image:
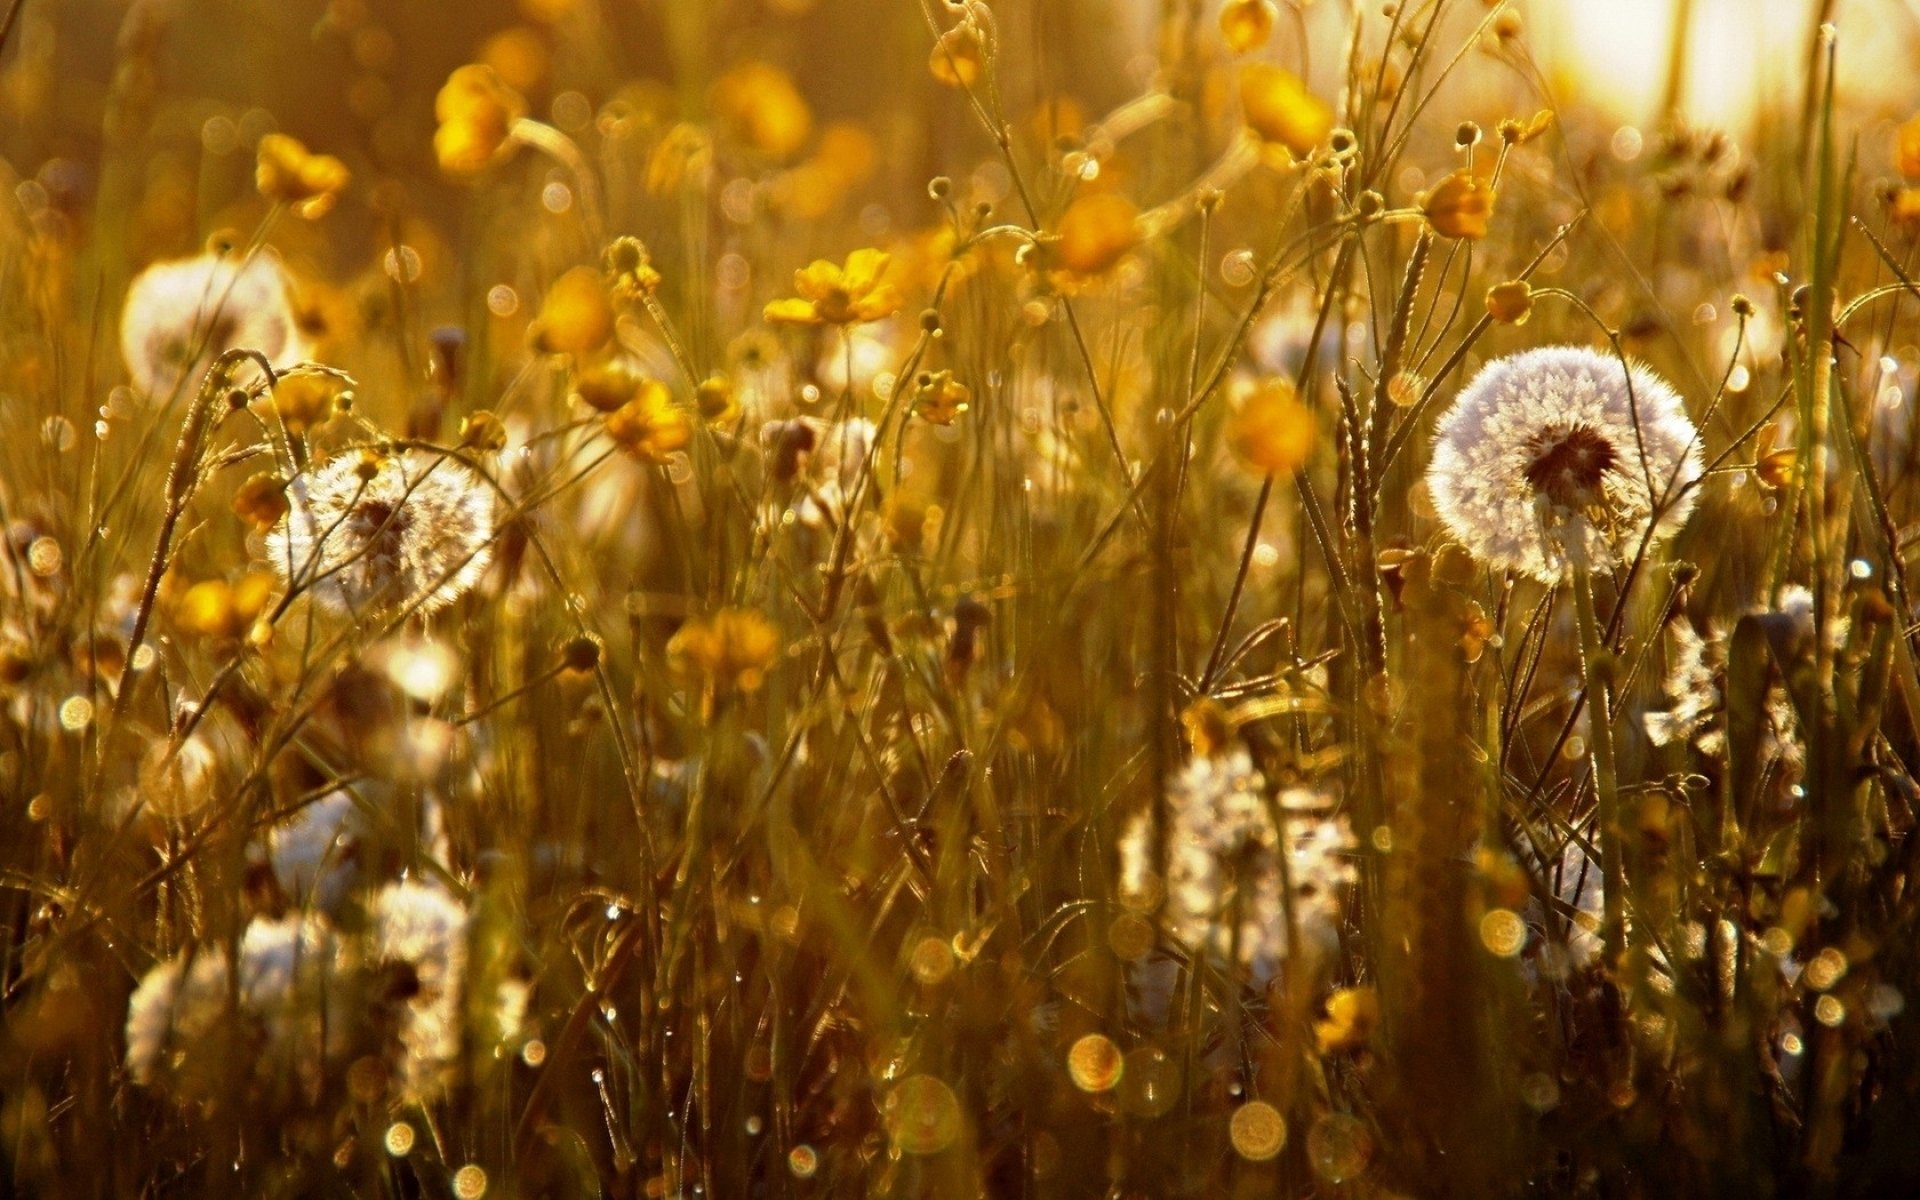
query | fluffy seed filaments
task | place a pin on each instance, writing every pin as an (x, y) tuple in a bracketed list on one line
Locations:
[(1561, 450), (180, 316), (412, 529)]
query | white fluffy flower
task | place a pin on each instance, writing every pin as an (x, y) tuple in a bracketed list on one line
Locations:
[(1692, 689), (313, 853), (1548, 445), (422, 928), (1224, 865), (180, 315), (284, 967), (418, 530)]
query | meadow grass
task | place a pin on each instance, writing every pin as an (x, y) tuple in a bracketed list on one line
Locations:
[(948, 598)]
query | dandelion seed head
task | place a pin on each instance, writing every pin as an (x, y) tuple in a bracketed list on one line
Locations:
[(184, 1000), (1562, 441), (423, 928), (1223, 853), (417, 532), (209, 304)]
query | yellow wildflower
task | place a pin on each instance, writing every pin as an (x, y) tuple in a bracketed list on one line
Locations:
[(730, 650), (1096, 232), (609, 383), (758, 103), (840, 295), (306, 400), (1247, 24), (1352, 1014), (1281, 110), (940, 398), (630, 270), (575, 317), (286, 172), (650, 426), (214, 608), (261, 501), (1511, 302), (959, 58), (1273, 431), (476, 111), (715, 400), (1906, 149), (1459, 206)]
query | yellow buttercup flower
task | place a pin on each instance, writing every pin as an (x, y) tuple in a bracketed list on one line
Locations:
[(1459, 206), (1906, 148), (941, 398), (1273, 431), (731, 649), (306, 400), (715, 400), (261, 501), (575, 316), (1096, 232), (1281, 110), (630, 269), (759, 105), (840, 295), (476, 111), (214, 608), (608, 384), (286, 172), (650, 426), (1511, 302), (1247, 24), (959, 58)]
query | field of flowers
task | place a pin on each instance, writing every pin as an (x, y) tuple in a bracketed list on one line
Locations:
[(1001, 598)]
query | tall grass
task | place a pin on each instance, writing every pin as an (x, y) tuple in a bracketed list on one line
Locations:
[(846, 600)]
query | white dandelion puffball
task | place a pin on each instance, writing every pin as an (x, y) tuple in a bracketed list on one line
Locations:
[(1224, 851), (423, 928), (1543, 445), (284, 968), (408, 529), (181, 315)]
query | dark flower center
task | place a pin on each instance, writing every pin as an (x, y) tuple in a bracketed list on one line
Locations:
[(1570, 468), (381, 523)]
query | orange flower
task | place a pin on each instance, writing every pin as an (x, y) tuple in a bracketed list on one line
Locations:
[(1096, 232), (650, 426), (1459, 206), (261, 501), (1352, 1014), (306, 400), (214, 608), (1511, 302), (609, 384), (1247, 24), (476, 111), (840, 295), (1273, 432), (731, 649), (286, 172), (630, 269), (1281, 110), (959, 58), (759, 105), (575, 317), (1906, 149), (941, 398), (715, 400)]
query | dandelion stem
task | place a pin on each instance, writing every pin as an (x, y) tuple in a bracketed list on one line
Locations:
[(1593, 659)]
